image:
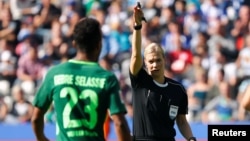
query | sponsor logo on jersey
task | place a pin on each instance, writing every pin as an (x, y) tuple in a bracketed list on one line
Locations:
[(173, 111)]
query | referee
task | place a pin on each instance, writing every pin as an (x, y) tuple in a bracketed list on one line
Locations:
[(158, 101)]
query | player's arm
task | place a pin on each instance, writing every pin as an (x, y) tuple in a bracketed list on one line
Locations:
[(37, 122), (246, 99), (184, 127), (136, 57), (121, 127)]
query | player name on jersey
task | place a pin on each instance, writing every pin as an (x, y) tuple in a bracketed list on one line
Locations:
[(79, 80), (81, 133)]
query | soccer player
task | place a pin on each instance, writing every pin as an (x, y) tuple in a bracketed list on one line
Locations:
[(82, 92), (157, 100)]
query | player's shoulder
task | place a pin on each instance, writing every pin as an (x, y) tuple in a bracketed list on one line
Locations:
[(55, 67), (60, 65), (110, 74)]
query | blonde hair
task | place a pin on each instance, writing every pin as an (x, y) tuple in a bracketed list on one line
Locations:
[(153, 47)]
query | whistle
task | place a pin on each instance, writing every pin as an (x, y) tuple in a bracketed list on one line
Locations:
[(139, 5)]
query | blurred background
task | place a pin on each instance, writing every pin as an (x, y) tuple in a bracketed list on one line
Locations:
[(206, 43)]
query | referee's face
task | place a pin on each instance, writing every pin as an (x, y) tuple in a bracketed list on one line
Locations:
[(154, 62)]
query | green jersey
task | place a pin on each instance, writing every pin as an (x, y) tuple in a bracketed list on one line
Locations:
[(81, 93)]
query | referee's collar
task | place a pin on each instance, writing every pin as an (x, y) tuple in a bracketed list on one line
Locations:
[(161, 85)]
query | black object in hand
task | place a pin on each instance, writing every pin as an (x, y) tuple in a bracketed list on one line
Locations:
[(139, 5)]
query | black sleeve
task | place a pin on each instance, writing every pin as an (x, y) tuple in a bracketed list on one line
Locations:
[(141, 77), (184, 101)]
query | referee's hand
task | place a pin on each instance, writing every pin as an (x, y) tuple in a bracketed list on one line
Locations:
[(138, 15)]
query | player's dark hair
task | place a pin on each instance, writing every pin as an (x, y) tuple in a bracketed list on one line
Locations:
[(87, 34)]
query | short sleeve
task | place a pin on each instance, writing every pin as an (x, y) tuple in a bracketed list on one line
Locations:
[(184, 102), (116, 105), (43, 97)]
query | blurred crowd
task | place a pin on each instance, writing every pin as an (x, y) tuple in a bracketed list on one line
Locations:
[(206, 43)]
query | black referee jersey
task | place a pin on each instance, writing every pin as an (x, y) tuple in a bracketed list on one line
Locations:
[(155, 107)]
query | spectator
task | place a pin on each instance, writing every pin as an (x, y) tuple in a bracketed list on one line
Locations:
[(30, 69), (180, 13), (68, 9), (23, 8), (241, 26), (221, 108), (68, 27), (8, 28), (46, 14), (7, 71), (7, 67), (180, 58), (242, 62), (21, 110), (43, 20), (210, 10), (197, 95), (219, 61), (173, 34), (218, 39), (3, 109)]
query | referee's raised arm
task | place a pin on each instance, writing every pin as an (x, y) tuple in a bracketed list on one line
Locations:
[(136, 57)]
